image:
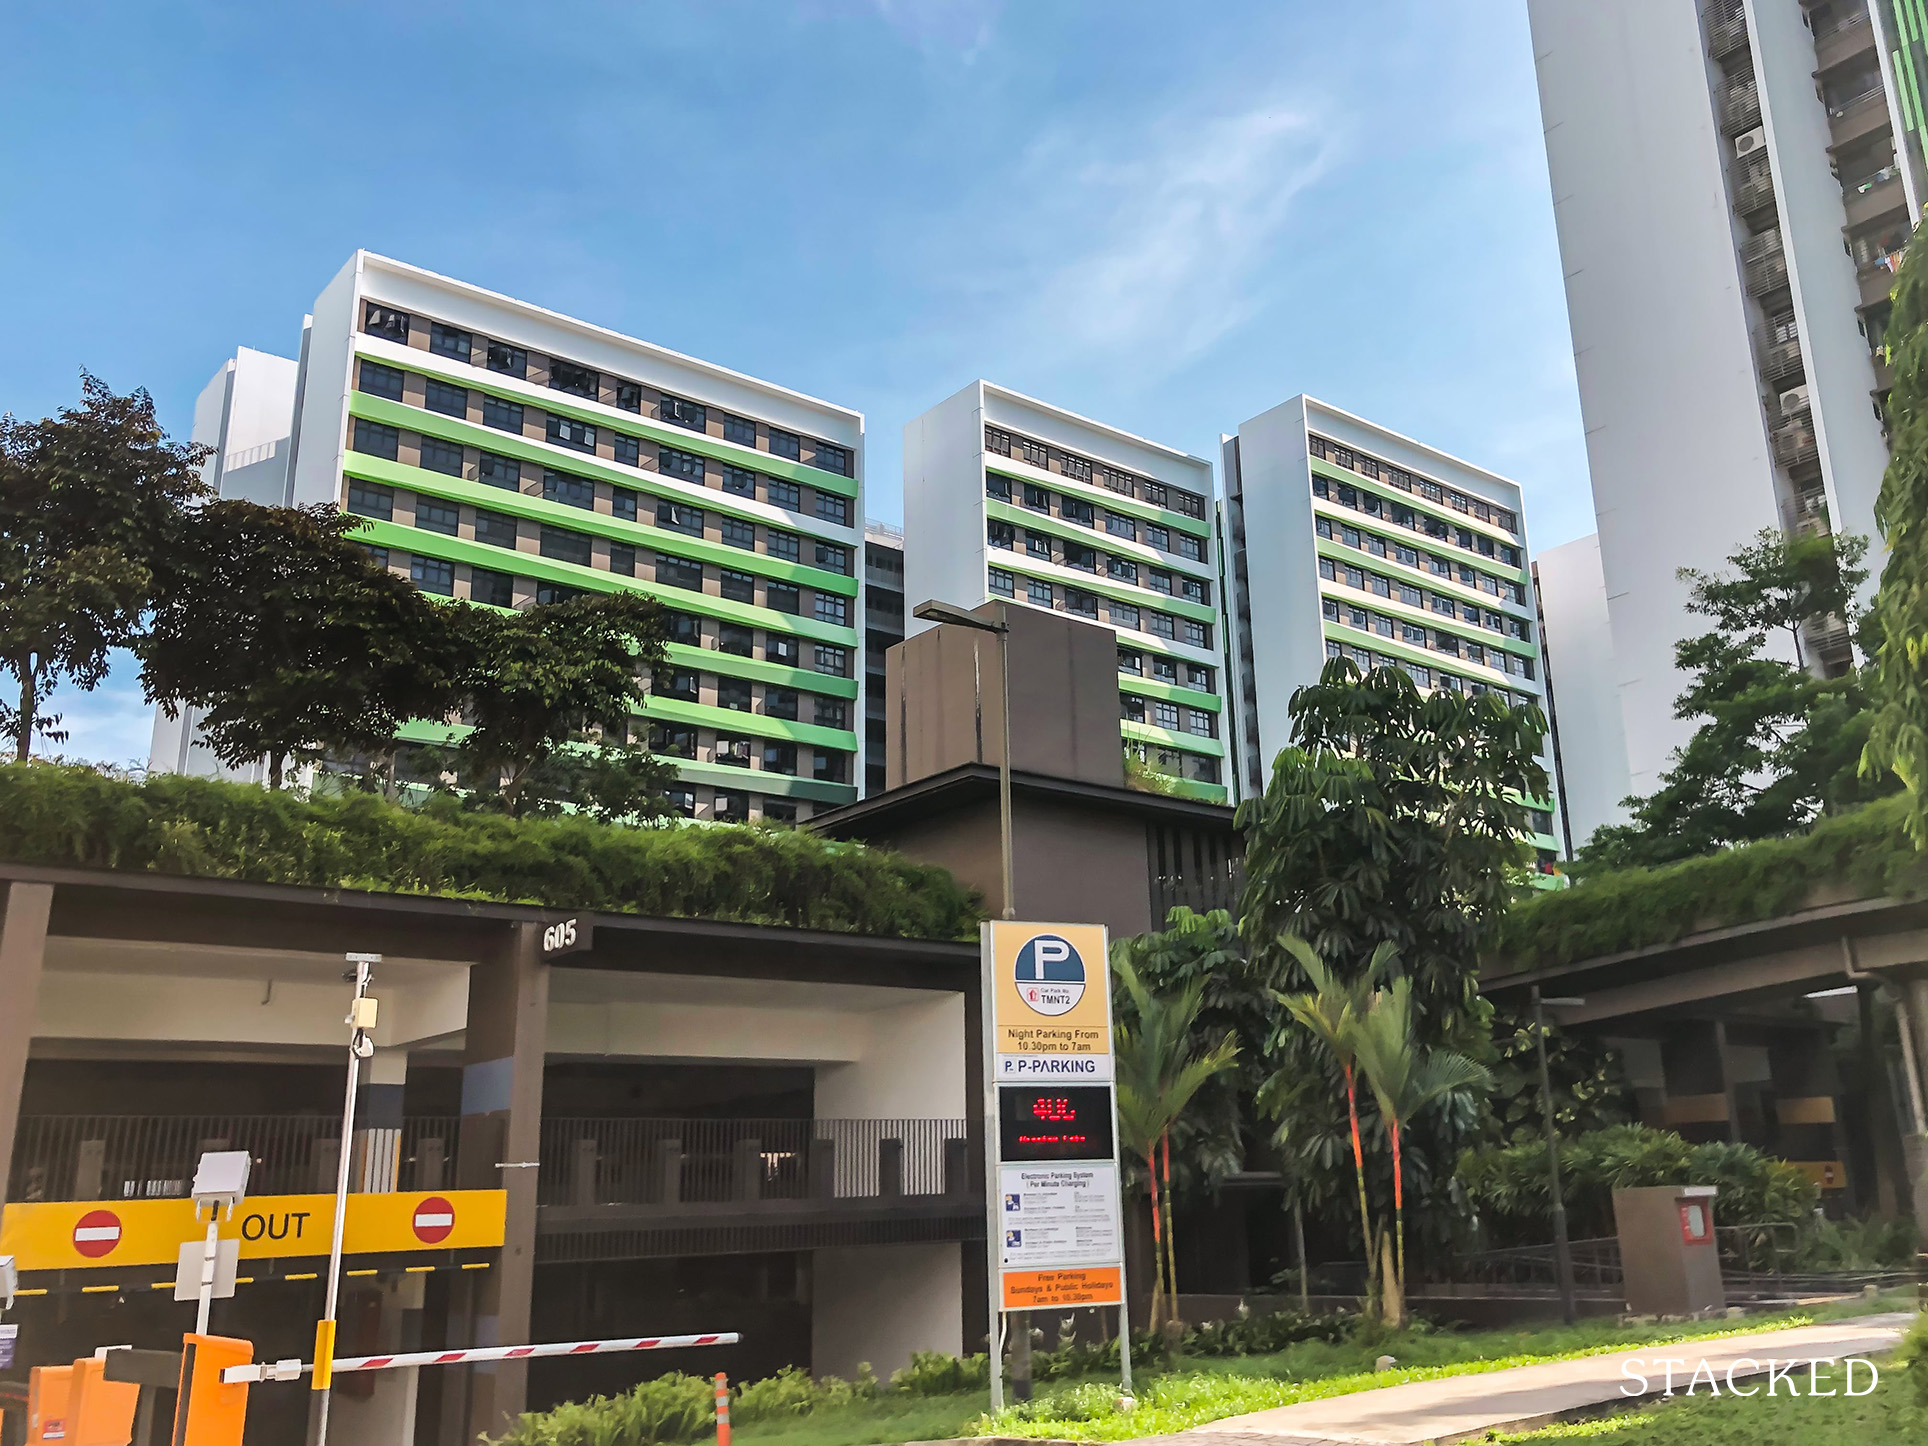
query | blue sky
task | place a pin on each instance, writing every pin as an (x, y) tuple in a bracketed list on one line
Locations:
[(1166, 217)]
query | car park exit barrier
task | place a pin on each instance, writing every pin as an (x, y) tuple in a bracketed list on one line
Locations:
[(293, 1369)]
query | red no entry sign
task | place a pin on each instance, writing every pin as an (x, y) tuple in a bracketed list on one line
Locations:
[(434, 1219), (96, 1233)]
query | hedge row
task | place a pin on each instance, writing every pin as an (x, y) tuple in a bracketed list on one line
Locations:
[(56, 814), (1863, 855)]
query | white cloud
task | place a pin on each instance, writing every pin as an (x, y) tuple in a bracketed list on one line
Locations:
[(961, 27)]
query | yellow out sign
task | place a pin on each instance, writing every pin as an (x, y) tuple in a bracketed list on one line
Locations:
[(83, 1234)]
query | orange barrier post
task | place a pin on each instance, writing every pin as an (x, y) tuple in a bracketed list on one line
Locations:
[(49, 1390), (722, 1409), (210, 1411), (100, 1412)]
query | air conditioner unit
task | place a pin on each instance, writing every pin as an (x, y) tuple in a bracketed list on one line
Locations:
[(1794, 399), (1748, 142)]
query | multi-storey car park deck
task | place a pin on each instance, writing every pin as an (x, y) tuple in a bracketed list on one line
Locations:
[(1086, 520), (508, 455)]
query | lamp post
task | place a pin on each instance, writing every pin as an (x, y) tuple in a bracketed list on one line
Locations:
[(362, 1012), (939, 612), (1562, 1249)]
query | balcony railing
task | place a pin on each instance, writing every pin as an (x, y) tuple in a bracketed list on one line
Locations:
[(1780, 354), (1765, 261), (1754, 190), (1795, 446), (673, 1163), (151, 1157), (1740, 108), (1725, 36)]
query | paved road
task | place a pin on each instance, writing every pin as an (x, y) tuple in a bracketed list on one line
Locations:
[(1457, 1407)]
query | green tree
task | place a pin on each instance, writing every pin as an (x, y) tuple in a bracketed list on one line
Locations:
[(1406, 1078), (293, 639), (89, 499), (1898, 739), (1777, 746), (1590, 1089), (537, 689), (1161, 1068)]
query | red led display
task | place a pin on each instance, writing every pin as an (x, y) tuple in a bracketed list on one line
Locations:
[(1054, 1122)]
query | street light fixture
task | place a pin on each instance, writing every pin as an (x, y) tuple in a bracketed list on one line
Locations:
[(1562, 1249), (941, 612)]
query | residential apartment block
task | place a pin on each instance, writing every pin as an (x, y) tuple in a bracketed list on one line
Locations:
[(507, 455), (1732, 182), (884, 614), (1349, 540), (1009, 497)]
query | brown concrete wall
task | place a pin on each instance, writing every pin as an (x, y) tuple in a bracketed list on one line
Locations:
[(943, 700)]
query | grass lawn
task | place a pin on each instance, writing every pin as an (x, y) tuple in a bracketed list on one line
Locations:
[(1888, 1414), (863, 1423), (1193, 1392)]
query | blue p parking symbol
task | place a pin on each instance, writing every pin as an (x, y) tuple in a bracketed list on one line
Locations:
[(1049, 974)]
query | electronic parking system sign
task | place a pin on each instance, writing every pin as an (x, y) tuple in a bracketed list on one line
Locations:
[(1055, 1231)]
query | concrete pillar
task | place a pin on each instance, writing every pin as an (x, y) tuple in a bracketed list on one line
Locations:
[(378, 1122), (382, 1409), (23, 950), (1891, 1194), (508, 1026), (878, 1303)]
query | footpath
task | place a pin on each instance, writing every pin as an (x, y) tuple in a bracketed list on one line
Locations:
[(1455, 1408)]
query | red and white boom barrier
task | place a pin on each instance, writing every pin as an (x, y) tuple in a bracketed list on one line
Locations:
[(293, 1368)]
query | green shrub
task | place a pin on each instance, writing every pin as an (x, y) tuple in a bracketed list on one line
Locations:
[(790, 1392), (1863, 854), (57, 814), (1248, 1334), (1508, 1184), (934, 1373), (669, 1409)]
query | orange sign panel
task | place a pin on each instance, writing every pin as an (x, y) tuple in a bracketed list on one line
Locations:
[(79, 1234), (1073, 1285)]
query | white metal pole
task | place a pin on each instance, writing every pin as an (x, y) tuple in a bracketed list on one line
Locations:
[(325, 1333), (993, 1200), (209, 1251), (1004, 761)]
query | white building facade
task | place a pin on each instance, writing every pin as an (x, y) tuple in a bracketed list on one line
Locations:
[(1732, 184), (1009, 497), (1346, 539)]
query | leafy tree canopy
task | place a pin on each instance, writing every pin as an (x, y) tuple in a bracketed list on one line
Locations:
[(1778, 746), (89, 500)]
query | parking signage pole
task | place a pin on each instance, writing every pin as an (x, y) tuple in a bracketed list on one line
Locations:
[(361, 1018)]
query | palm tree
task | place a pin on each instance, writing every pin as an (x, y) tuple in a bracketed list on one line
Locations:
[(1332, 1012), (1160, 1068), (1405, 1077)]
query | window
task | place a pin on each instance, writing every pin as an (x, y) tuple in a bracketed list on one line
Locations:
[(1200, 723), (566, 545), (828, 659), (622, 503), (1154, 493), (1084, 604), (740, 430), (1130, 660), (685, 628), (735, 753), (679, 412), (1411, 596), (1412, 633), (377, 555), (1380, 585), (1076, 467), (833, 609), (733, 693), (780, 703), (511, 361), (385, 321), (832, 713), (1158, 537), (779, 493), (997, 488), (1382, 625), (1076, 509), (503, 416), (440, 456), (495, 528), (1122, 568), (832, 508), (1327, 570), (1132, 707), (828, 767), (1000, 534), (1161, 581), (997, 441), (1406, 555), (679, 517), (434, 516), (737, 533), (1034, 452), (570, 491), (780, 758), (578, 380), (629, 396), (673, 463), (432, 574), (377, 440), (738, 586), (1194, 548), (380, 381), (1036, 498), (1446, 643), (1120, 526), (829, 457), (1165, 670), (1195, 589), (622, 559), (674, 740), (786, 444), (1002, 582), (785, 598), (682, 799), (567, 432), (679, 572), (730, 806), (1124, 615), (1164, 715), (1199, 635), (368, 499), (1036, 544), (1077, 555), (833, 557), (1037, 592), (1329, 609), (1197, 677), (1189, 503), (785, 545), (628, 450), (1161, 625), (450, 341), (496, 589), (739, 482)]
